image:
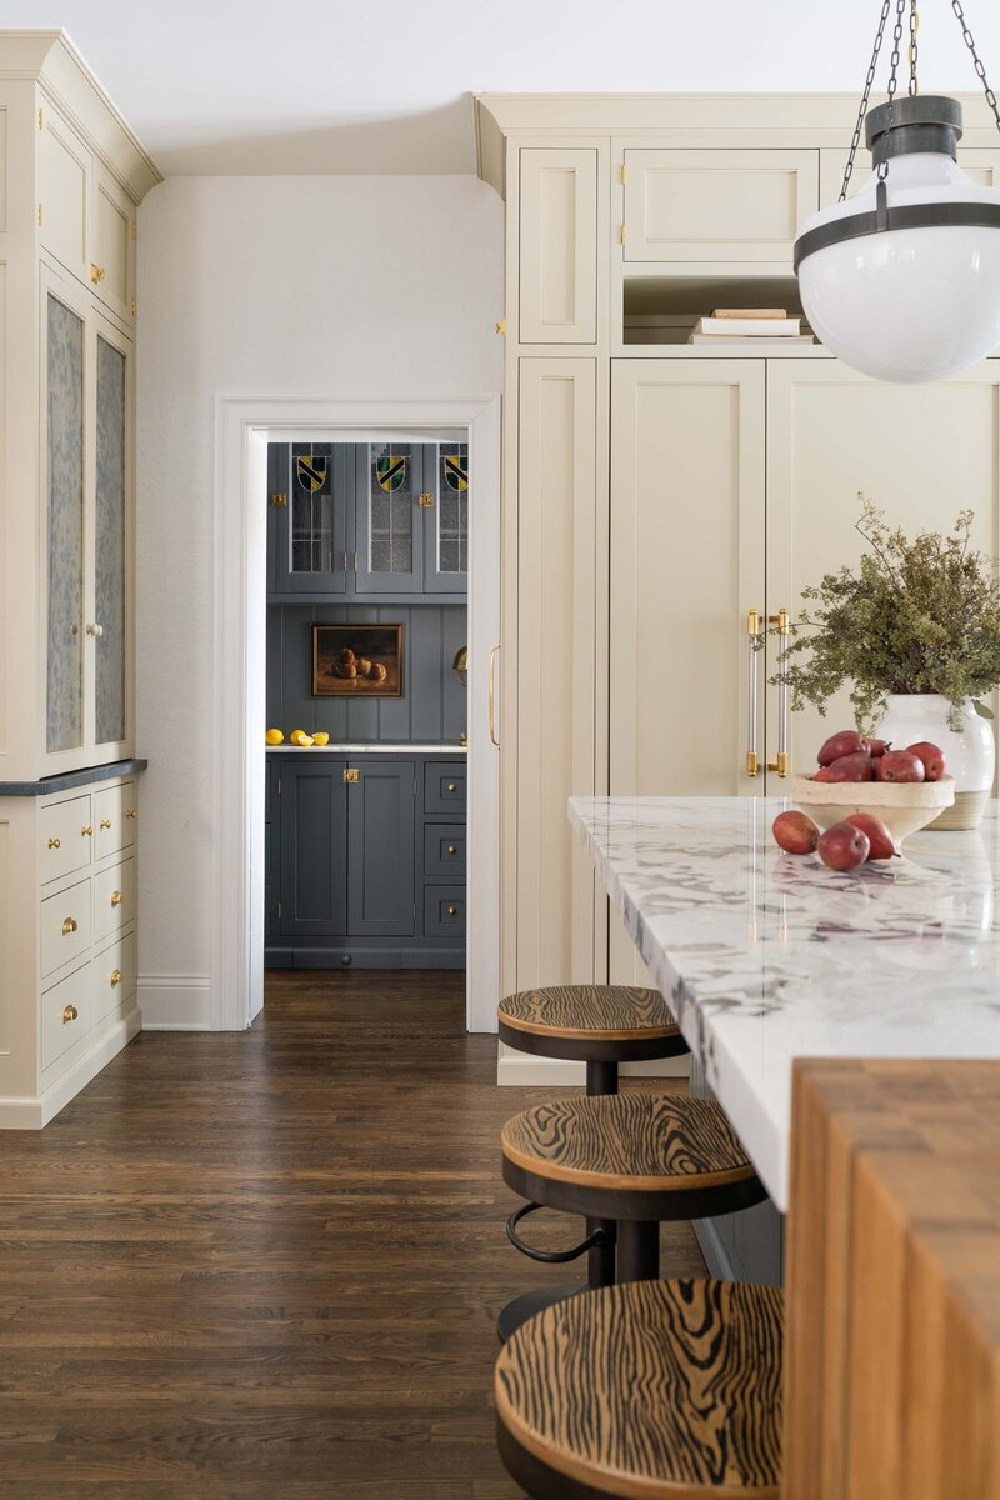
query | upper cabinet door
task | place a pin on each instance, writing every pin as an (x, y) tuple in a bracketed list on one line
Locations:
[(388, 547), (111, 273), (720, 206), (316, 481), (446, 523), (112, 531), (66, 187), (558, 246), (982, 165)]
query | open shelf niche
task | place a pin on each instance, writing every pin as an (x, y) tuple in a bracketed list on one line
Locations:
[(663, 310)]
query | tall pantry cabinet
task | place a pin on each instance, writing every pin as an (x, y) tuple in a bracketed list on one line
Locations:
[(656, 494), (71, 177)]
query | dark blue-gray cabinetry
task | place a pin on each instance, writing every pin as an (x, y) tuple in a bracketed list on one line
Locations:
[(364, 861), (310, 492)]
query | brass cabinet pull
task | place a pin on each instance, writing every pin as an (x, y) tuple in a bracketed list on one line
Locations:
[(453, 911), (105, 823), (69, 1014), (87, 831), (97, 274), (116, 977), (453, 786), (493, 736), (54, 843), (452, 849), (68, 926), (116, 898), (131, 813), (782, 622), (95, 629), (753, 637)]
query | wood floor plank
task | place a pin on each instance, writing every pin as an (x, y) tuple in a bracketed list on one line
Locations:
[(269, 1264)]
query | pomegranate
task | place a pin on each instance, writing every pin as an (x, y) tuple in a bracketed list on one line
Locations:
[(843, 847), (875, 748), (795, 833), (932, 756), (844, 742), (880, 840), (899, 765), (857, 767)]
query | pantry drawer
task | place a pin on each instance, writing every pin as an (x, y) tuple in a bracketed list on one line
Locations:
[(444, 849), (444, 787), (114, 899), (65, 926), (66, 837), (444, 911), (65, 1011), (114, 975), (114, 819)]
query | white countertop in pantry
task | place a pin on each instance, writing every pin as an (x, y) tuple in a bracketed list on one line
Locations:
[(382, 749), (765, 957)]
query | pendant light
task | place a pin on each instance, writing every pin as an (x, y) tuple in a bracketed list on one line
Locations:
[(902, 281)]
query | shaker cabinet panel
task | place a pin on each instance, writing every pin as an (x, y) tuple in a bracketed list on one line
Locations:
[(313, 849), (65, 184), (111, 272), (981, 164), (112, 540), (717, 205), (381, 868), (446, 522), (558, 246)]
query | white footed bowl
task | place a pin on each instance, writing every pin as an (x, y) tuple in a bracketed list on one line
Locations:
[(903, 806)]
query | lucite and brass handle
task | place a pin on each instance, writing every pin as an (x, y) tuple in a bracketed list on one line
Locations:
[(753, 635), (783, 623), (68, 926), (492, 694), (69, 1014), (116, 898), (116, 977)]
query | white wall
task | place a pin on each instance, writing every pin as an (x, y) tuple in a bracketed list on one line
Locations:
[(332, 287)]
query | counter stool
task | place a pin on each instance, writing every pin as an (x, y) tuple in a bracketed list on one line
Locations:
[(666, 1389), (602, 1026), (639, 1159)]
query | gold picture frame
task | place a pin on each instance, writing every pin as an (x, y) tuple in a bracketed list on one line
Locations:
[(357, 661)]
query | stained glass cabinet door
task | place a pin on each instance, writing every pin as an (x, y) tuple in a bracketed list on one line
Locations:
[(446, 524), (389, 481), (310, 527)]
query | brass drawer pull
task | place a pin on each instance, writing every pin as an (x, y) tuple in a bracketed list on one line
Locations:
[(453, 911), (68, 926), (69, 1014), (116, 898), (54, 843), (95, 630), (97, 274), (104, 823), (116, 977), (130, 813), (452, 786), (86, 831), (452, 849)]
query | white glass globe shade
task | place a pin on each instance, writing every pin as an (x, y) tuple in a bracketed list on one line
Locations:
[(907, 304)]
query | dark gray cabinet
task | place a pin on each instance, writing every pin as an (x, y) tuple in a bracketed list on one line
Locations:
[(314, 849), (310, 491), (388, 517), (380, 849)]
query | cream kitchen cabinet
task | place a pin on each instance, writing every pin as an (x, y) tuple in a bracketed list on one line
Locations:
[(981, 163), (558, 246)]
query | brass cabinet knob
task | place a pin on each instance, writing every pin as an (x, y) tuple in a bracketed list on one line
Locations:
[(69, 1014), (130, 813), (95, 629), (453, 786), (54, 843), (87, 831), (452, 849), (116, 898), (500, 327), (116, 977), (68, 926), (453, 911), (104, 823), (97, 274)]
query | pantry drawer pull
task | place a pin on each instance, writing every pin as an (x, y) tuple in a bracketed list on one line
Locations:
[(69, 925), (87, 831), (105, 823), (116, 977), (130, 813), (116, 898), (452, 849), (54, 843), (453, 786), (453, 911), (69, 1014)]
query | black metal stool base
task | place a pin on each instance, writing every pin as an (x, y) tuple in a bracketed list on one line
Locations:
[(521, 1308)]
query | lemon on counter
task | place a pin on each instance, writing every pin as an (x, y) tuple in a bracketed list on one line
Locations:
[(321, 737), (299, 737), (274, 737)]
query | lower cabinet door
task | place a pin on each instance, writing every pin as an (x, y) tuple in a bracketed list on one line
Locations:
[(380, 847), (314, 848)]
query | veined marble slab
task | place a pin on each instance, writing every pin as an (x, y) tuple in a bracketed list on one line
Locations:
[(765, 957)]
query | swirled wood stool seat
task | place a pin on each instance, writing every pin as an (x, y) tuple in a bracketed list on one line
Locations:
[(659, 1390), (638, 1159)]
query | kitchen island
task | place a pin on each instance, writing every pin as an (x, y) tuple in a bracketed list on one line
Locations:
[(765, 957)]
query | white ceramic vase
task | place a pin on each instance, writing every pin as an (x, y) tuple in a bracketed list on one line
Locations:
[(969, 753)]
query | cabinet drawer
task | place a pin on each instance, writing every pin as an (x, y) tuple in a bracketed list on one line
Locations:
[(114, 899), (65, 1012), (444, 911), (444, 786), (717, 205), (66, 174), (66, 838), (114, 819), (114, 216), (444, 849), (65, 926), (114, 975)]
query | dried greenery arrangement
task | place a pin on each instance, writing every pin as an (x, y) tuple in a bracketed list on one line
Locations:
[(917, 616)]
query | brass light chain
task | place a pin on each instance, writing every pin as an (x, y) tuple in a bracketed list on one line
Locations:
[(869, 80), (914, 28), (991, 98)]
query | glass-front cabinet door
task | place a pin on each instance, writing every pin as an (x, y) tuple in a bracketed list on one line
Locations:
[(308, 493), (446, 525), (389, 480), (112, 539)]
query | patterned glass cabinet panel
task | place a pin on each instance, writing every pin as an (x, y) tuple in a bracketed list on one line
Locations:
[(310, 527), (446, 526), (387, 549), (111, 541), (64, 334)]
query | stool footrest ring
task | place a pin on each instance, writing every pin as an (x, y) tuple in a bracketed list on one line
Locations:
[(550, 1257)]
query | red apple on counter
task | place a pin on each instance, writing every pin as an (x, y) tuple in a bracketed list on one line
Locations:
[(880, 840), (875, 748), (844, 742), (932, 756), (843, 847), (856, 767), (795, 833), (899, 765)]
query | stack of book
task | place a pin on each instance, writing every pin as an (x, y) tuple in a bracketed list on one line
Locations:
[(749, 327)]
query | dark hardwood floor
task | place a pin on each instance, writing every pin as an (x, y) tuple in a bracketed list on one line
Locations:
[(268, 1264)]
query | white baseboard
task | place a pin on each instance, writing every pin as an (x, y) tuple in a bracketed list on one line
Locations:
[(32, 1114), (526, 1070), (176, 1002)]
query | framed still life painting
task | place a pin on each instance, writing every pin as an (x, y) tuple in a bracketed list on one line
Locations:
[(357, 661)]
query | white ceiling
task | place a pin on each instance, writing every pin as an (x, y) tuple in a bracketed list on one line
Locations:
[(364, 86)]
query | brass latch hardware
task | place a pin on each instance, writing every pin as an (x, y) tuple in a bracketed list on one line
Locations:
[(116, 898), (68, 926), (97, 273), (104, 823), (131, 813), (501, 327), (352, 775), (279, 500), (69, 1014), (426, 500), (116, 977)]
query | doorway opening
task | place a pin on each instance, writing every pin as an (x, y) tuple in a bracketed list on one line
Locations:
[(366, 544)]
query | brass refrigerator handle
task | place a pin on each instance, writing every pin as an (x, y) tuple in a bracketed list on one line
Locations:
[(493, 735), (782, 621), (753, 631)]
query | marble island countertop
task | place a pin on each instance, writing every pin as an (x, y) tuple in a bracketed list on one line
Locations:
[(766, 957)]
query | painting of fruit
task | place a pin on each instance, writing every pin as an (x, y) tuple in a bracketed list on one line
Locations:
[(363, 661)]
